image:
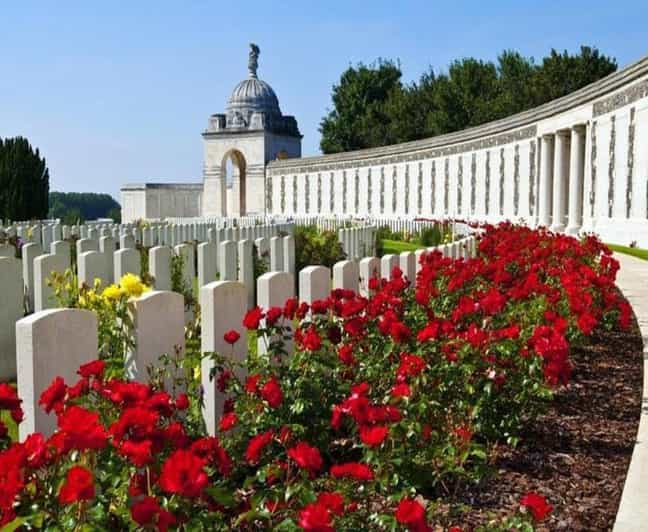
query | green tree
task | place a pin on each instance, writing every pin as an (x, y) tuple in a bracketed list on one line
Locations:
[(83, 206), (563, 73), (358, 118), (24, 181), (373, 107)]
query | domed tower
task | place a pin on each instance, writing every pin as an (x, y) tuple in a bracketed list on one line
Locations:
[(239, 144)]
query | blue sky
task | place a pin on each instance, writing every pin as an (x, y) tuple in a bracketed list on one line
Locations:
[(117, 92)]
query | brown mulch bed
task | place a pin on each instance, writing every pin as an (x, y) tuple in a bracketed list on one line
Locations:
[(576, 455)]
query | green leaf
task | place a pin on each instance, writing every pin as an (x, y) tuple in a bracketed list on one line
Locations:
[(222, 496), (17, 522)]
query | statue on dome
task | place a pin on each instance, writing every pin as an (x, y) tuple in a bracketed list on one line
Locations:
[(253, 61)]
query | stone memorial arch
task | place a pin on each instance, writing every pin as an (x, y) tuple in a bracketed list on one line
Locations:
[(251, 132)]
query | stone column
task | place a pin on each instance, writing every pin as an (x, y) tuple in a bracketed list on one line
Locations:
[(546, 180), (576, 174), (560, 180)]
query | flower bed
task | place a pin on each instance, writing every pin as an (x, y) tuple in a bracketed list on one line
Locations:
[(388, 408)]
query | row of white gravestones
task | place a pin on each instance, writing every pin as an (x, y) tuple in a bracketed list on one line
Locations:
[(153, 234), (55, 342), (234, 260), (358, 242)]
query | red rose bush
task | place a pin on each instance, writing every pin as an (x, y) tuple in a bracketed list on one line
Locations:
[(388, 404)]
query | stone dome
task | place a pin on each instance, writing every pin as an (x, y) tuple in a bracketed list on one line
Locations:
[(253, 95)]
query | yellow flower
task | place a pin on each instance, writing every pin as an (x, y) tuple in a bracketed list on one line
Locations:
[(196, 373), (112, 292), (132, 285), (97, 283), (82, 301)]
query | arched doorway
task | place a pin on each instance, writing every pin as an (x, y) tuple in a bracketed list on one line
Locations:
[(233, 171)]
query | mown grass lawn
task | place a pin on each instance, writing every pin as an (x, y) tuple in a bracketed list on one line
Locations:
[(398, 246), (635, 252)]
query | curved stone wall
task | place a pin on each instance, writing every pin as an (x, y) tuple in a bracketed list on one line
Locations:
[(578, 163)]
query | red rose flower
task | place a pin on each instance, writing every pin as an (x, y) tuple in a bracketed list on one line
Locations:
[(252, 383), (253, 318), (272, 393), (311, 341), (231, 337), (373, 436), (333, 501), (345, 354), (8, 397), (307, 457), (272, 316), (81, 429), (256, 445), (53, 396), (537, 505), (228, 421), (78, 486), (401, 390), (411, 514), (354, 470), (399, 332), (182, 401), (148, 511), (183, 473), (290, 308), (137, 452), (315, 517), (92, 369), (223, 380)]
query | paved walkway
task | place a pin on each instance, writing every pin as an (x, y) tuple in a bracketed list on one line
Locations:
[(632, 516)]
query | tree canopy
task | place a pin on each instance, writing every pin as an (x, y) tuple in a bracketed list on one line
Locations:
[(372, 106), (71, 207), (24, 181)]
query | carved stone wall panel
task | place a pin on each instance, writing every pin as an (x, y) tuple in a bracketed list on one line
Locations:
[(446, 186), (283, 194), (488, 183), (356, 193), (501, 182), (269, 194), (592, 198), (369, 190), (516, 180), (307, 194), (532, 176), (473, 182), (344, 191), (332, 192), (630, 162), (319, 193), (611, 172), (621, 99), (460, 183), (415, 156), (394, 190), (419, 190), (382, 190), (294, 192), (407, 188), (433, 186)]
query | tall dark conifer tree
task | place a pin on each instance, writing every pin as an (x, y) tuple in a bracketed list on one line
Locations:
[(24, 181)]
